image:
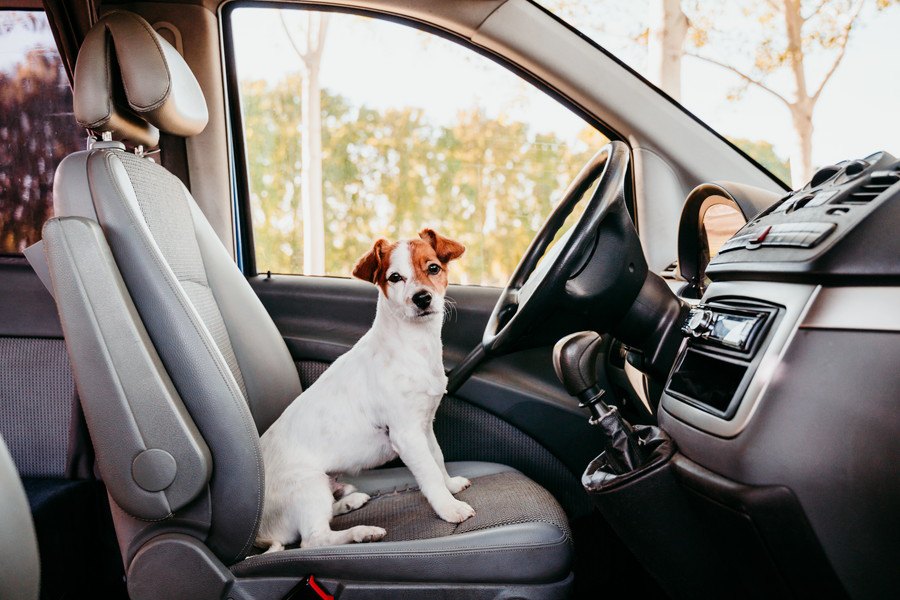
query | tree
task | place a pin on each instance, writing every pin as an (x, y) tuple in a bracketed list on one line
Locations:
[(311, 213), (789, 35), (37, 130), (665, 45), (764, 154), (486, 180)]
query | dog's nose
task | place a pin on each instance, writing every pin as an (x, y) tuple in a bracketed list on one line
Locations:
[(421, 299)]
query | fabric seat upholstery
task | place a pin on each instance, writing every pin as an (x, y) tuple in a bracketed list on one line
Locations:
[(517, 524), (179, 369)]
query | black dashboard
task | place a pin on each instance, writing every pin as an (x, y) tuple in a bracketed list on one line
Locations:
[(839, 228)]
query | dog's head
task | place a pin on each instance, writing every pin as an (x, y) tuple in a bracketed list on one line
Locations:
[(412, 274)]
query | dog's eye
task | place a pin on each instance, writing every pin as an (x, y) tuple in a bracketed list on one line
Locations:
[(395, 277), (434, 269)]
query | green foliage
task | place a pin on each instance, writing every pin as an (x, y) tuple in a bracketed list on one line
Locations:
[(485, 181), (763, 153)]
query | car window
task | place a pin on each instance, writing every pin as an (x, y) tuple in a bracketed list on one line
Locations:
[(37, 127), (356, 128)]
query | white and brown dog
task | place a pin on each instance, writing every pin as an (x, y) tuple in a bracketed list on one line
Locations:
[(374, 403)]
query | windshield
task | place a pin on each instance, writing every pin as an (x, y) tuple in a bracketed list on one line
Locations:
[(795, 85)]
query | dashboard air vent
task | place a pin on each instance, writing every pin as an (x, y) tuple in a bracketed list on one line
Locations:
[(874, 186)]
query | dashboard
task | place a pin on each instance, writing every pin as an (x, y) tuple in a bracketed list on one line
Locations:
[(788, 376)]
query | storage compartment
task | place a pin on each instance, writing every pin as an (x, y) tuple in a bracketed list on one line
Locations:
[(699, 534), (707, 380)]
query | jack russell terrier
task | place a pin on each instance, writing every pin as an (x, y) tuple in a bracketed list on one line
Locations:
[(374, 403)]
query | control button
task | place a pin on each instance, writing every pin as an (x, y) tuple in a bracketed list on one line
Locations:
[(813, 238), (789, 235), (698, 322)]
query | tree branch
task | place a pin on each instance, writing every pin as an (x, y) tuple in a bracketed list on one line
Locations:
[(842, 50), (775, 5), (815, 11), (742, 75), (290, 38)]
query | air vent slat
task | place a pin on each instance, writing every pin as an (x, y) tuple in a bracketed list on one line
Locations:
[(872, 189)]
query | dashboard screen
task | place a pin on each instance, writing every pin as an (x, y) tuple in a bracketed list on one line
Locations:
[(732, 330)]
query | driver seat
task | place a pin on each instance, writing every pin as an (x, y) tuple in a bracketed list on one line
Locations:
[(180, 369)]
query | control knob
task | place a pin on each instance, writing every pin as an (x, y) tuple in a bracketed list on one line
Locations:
[(698, 322)]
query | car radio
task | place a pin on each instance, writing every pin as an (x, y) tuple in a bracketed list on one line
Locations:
[(722, 352), (725, 326)]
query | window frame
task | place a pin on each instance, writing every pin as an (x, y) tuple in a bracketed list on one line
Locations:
[(245, 251)]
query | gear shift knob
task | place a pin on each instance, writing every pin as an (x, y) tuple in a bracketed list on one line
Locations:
[(575, 362)]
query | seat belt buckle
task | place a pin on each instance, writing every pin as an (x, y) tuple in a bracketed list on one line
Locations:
[(309, 589)]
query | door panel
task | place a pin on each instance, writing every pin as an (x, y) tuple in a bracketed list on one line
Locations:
[(512, 410)]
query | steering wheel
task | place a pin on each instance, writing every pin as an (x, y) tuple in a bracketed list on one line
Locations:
[(536, 284)]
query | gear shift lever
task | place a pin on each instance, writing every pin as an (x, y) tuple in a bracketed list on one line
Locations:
[(575, 362)]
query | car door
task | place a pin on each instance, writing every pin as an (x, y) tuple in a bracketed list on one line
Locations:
[(349, 127)]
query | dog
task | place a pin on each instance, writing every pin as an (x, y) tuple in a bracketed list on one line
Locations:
[(374, 403)]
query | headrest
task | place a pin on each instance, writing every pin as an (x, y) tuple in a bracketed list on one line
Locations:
[(133, 83)]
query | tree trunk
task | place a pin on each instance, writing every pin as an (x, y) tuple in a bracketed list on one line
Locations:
[(803, 105), (311, 148), (801, 157), (665, 45), (311, 174)]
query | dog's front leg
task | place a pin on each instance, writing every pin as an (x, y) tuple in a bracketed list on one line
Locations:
[(454, 484), (413, 447)]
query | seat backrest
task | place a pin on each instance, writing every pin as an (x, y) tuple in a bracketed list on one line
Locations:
[(178, 366)]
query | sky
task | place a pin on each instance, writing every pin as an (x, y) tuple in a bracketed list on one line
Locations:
[(15, 37), (853, 118), (391, 65)]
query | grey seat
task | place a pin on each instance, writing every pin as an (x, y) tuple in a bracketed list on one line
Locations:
[(19, 564), (179, 369)]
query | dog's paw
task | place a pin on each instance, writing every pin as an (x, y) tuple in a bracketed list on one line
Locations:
[(366, 533), (457, 484), (275, 547), (455, 511), (349, 502)]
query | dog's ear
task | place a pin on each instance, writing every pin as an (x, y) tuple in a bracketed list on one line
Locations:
[(369, 265), (445, 248)]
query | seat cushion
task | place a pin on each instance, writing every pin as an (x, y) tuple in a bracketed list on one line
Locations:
[(518, 535)]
